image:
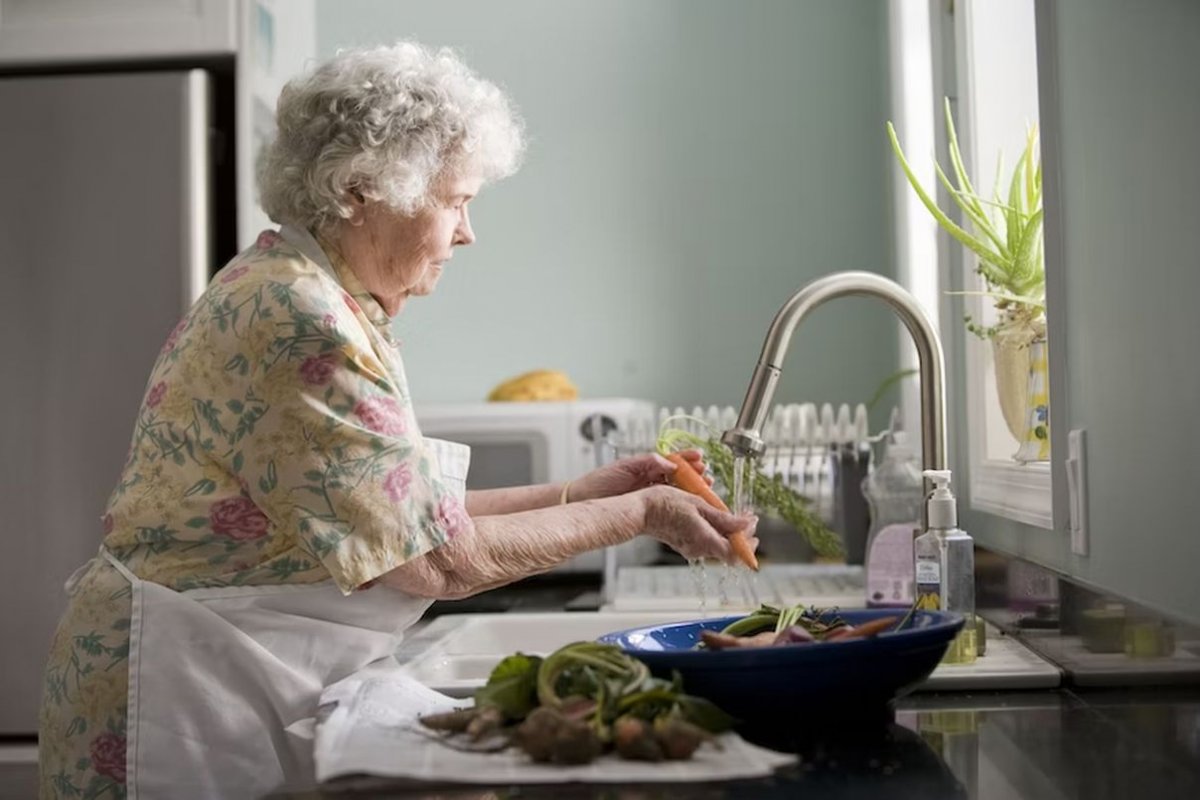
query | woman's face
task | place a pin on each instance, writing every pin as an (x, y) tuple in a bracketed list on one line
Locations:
[(397, 256)]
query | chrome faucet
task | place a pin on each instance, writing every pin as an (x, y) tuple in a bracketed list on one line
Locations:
[(745, 438)]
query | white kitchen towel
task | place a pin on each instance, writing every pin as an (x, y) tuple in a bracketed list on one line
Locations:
[(368, 726)]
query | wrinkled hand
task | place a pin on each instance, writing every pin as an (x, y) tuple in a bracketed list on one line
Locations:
[(631, 474), (692, 527)]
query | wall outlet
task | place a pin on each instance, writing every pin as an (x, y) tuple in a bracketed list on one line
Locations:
[(1077, 490)]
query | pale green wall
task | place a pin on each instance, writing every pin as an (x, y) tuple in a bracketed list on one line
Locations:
[(1128, 113), (692, 163)]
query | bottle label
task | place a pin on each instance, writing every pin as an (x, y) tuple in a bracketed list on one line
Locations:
[(928, 575), (890, 567)]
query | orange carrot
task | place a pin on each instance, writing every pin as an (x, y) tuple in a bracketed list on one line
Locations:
[(867, 629), (685, 477)]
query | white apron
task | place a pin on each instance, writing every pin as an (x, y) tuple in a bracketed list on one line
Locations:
[(224, 683)]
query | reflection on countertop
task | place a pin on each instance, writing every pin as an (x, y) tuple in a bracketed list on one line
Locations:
[(983, 746), (1098, 639)]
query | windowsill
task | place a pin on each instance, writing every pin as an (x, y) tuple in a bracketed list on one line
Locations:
[(1019, 492)]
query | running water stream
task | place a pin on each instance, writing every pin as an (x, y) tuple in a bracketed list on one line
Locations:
[(735, 579)]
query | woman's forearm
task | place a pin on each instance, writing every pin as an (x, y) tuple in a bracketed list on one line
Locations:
[(504, 548), (511, 499)]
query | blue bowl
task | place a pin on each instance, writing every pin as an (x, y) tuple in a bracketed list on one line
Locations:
[(766, 684)]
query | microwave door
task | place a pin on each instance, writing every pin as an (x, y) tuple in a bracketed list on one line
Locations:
[(501, 459)]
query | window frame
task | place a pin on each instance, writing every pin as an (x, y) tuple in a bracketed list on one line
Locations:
[(1020, 492)]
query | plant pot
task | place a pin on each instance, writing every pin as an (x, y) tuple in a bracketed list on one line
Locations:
[(1010, 358), (1035, 439), (1019, 356)]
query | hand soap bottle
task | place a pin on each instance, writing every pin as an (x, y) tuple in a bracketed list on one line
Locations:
[(944, 567), (895, 492)]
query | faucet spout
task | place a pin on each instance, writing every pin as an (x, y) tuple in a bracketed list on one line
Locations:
[(746, 437)]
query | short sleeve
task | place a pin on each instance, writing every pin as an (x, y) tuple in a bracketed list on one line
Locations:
[(331, 450)]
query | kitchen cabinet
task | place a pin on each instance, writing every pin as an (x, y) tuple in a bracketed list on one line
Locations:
[(83, 30), (127, 148), (269, 42)]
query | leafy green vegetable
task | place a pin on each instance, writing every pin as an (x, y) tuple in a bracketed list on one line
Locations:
[(512, 686), (768, 494), (565, 708), (817, 621), (705, 713), (757, 622)]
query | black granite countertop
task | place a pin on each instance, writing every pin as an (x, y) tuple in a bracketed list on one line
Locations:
[(1048, 745)]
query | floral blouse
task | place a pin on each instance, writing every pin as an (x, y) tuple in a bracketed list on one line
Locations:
[(275, 444)]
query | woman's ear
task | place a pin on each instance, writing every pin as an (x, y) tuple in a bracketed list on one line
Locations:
[(358, 206)]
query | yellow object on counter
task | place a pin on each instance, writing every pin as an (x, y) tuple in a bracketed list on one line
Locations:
[(540, 384)]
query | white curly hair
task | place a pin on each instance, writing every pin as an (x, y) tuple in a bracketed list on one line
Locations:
[(386, 123)]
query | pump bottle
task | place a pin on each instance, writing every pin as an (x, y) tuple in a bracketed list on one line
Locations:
[(944, 567), (895, 492)]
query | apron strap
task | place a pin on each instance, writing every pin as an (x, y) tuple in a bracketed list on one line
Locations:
[(120, 567)]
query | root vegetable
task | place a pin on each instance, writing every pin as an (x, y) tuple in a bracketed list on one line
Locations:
[(685, 477), (871, 628), (679, 738), (450, 721), (634, 739), (715, 640), (794, 634), (548, 736), (486, 722)]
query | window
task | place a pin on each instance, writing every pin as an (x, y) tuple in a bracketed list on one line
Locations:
[(997, 102), (990, 48)]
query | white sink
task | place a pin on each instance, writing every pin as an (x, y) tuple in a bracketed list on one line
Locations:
[(455, 653)]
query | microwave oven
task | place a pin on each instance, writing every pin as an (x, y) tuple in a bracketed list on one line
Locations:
[(523, 443)]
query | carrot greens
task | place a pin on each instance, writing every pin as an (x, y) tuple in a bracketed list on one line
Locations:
[(768, 494)]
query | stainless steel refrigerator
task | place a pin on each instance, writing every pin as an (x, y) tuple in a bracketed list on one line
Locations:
[(108, 218)]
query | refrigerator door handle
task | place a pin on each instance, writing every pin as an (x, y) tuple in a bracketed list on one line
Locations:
[(196, 224)]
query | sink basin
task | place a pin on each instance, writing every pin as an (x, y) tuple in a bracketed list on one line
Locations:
[(455, 653)]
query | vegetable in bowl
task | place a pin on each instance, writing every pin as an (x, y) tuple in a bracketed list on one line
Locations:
[(764, 685), (772, 627)]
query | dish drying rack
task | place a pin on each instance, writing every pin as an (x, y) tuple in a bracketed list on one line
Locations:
[(803, 444), (820, 452)]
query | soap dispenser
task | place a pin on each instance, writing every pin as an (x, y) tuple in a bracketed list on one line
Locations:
[(944, 567)]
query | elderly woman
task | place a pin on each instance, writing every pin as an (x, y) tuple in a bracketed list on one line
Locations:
[(280, 519)]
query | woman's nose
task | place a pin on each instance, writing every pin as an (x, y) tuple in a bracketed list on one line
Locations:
[(464, 234)]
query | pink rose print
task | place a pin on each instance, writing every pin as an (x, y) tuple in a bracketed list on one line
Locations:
[(452, 516), (329, 321), (235, 273), (318, 370), (157, 392), (267, 239), (397, 482), (238, 518), (108, 756), (351, 303), (382, 415), (173, 337), (107, 524)]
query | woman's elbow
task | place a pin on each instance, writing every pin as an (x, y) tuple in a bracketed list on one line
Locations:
[(426, 577)]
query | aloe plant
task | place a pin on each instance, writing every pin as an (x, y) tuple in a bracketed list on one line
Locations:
[(1006, 234)]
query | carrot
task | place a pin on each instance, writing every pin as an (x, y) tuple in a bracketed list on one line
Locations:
[(685, 477), (870, 628)]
